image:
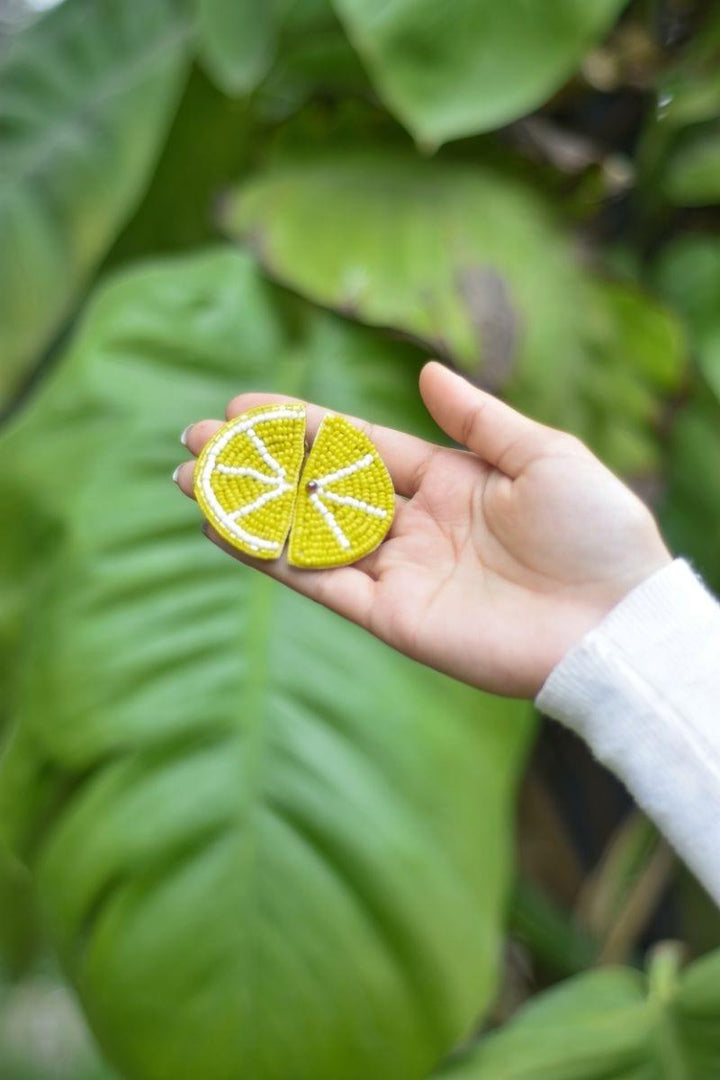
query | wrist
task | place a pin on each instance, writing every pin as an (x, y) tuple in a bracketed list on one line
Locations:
[(588, 608)]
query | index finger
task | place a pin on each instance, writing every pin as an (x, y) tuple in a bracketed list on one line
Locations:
[(406, 456)]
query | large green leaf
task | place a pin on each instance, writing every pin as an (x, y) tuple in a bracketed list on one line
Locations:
[(613, 1024), (264, 844), (86, 94), (472, 261), (466, 66)]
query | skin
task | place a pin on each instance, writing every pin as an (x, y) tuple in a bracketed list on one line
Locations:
[(500, 558)]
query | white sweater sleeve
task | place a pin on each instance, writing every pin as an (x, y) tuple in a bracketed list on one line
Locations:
[(643, 689)]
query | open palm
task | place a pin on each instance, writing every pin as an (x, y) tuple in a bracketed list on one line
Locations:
[(500, 557)]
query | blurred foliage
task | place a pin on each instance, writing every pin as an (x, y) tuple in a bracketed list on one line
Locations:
[(486, 280), (431, 73), (614, 1024), (204, 786), (258, 841), (688, 274), (681, 150), (85, 97)]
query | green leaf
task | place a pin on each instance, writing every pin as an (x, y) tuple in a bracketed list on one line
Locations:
[(689, 92), (679, 153), (286, 51), (18, 928), (466, 66), (261, 840), (471, 261), (613, 1024), (238, 40), (86, 94), (548, 931), (314, 59), (691, 174), (688, 275), (690, 511)]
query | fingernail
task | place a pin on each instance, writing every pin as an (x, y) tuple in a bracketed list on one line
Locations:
[(183, 437), (176, 473)]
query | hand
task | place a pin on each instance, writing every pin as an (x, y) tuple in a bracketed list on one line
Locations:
[(500, 559)]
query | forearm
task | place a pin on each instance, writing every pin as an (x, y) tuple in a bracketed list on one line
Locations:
[(643, 689)]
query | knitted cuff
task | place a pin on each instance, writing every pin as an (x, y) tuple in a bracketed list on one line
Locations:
[(643, 690)]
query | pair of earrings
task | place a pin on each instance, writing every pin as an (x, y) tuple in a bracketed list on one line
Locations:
[(255, 486)]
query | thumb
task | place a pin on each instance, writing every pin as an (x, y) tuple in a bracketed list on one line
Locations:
[(493, 430)]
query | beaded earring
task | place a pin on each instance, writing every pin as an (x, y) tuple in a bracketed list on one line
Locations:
[(248, 484)]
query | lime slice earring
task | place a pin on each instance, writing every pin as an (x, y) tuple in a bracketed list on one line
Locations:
[(251, 485)]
